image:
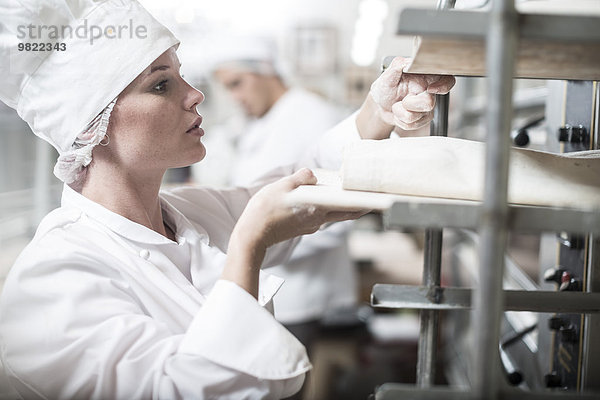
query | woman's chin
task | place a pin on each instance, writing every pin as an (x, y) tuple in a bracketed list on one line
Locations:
[(198, 155)]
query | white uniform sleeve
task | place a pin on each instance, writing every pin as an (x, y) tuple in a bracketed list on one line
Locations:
[(217, 212), (327, 153), (78, 330)]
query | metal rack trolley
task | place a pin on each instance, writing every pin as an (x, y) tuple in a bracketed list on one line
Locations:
[(502, 26)]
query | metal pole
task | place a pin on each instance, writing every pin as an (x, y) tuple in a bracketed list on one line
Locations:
[(591, 347), (487, 298), (432, 265), (445, 4), (428, 337), (427, 355)]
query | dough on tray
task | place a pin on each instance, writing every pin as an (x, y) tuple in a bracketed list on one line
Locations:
[(454, 168)]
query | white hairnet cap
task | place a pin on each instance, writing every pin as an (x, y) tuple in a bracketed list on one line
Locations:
[(92, 49), (251, 52)]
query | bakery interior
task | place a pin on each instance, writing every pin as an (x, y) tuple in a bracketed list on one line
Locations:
[(487, 296)]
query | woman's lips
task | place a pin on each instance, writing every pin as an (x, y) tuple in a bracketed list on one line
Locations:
[(196, 131)]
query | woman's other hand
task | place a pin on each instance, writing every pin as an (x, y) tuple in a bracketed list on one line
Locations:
[(400, 99)]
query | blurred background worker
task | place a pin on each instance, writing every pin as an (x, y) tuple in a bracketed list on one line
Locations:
[(280, 124)]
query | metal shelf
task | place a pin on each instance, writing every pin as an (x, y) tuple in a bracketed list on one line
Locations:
[(474, 25), (453, 42), (449, 298), (503, 45), (432, 212), (454, 214), (394, 391)]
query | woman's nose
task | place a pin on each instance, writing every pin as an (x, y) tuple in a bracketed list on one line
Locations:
[(193, 97), (198, 96), (195, 101)]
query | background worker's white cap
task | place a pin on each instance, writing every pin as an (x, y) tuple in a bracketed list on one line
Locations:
[(249, 52), (92, 49)]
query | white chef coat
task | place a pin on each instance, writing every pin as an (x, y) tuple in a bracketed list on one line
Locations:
[(320, 275), (94, 307)]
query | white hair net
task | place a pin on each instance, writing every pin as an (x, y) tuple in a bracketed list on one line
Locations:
[(71, 165)]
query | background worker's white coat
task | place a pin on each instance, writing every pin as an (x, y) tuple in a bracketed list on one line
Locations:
[(320, 275), (98, 306)]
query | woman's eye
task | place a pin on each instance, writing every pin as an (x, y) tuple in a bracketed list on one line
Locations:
[(160, 87)]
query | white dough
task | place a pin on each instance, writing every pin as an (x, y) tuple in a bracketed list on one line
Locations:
[(454, 168)]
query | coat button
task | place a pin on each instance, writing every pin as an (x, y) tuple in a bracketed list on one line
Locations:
[(145, 254)]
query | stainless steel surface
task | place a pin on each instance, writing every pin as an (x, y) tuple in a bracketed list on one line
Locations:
[(500, 27), (488, 296), (575, 366), (591, 344), (394, 391), (445, 4), (413, 214), (441, 23), (439, 124), (429, 329), (474, 24), (428, 338), (450, 298), (559, 27), (515, 394), (520, 218)]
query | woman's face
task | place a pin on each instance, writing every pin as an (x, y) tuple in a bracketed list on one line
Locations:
[(154, 125)]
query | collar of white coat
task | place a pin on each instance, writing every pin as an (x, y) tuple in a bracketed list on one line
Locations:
[(269, 284), (127, 228)]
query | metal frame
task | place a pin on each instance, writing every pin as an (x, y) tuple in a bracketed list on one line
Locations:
[(475, 24), (394, 391), (591, 355), (432, 264), (451, 298), (460, 215), (502, 26)]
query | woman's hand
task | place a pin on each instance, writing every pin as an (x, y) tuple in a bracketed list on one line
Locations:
[(399, 99), (267, 220)]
